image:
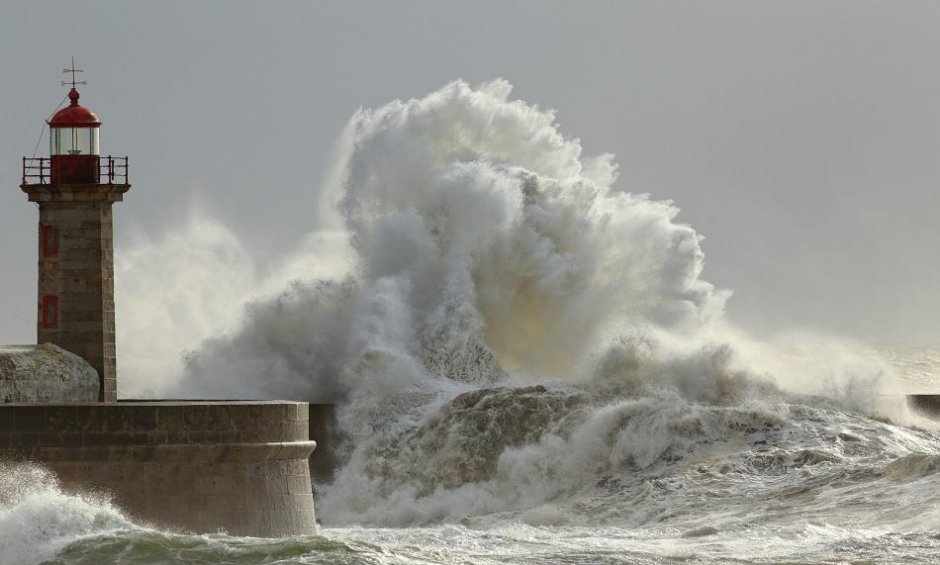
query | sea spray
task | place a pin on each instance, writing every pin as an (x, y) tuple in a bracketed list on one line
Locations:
[(189, 285), (484, 242), (515, 337), (43, 524), (37, 519)]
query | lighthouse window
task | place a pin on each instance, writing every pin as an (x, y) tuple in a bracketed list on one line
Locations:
[(49, 238), (49, 315), (74, 141), (61, 141)]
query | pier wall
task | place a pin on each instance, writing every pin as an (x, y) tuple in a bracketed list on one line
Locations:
[(202, 467)]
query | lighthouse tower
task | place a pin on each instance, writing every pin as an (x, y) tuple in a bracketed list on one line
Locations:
[(75, 188)]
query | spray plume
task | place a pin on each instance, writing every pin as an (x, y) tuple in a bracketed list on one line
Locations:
[(485, 250)]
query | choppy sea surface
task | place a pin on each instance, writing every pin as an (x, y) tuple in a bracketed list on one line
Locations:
[(797, 480)]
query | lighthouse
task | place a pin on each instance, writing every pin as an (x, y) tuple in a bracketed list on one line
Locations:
[(74, 188), (194, 465)]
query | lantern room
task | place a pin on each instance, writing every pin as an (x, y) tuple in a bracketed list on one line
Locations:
[(74, 144)]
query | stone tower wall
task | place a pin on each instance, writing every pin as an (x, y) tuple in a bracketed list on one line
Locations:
[(76, 274)]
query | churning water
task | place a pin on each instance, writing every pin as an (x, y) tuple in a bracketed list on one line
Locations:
[(530, 370)]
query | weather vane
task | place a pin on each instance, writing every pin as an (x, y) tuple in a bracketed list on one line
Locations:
[(73, 70)]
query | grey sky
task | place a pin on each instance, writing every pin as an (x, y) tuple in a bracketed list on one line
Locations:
[(800, 138)]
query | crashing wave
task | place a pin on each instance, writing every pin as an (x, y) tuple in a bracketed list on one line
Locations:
[(514, 332)]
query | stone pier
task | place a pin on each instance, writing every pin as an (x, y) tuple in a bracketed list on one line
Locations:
[(196, 466)]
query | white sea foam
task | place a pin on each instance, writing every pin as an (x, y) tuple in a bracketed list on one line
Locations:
[(37, 519), (483, 241)]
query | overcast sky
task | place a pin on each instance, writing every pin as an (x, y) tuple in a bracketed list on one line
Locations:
[(800, 138)]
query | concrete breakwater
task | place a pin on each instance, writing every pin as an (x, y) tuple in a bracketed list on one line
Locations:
[(199, 466)]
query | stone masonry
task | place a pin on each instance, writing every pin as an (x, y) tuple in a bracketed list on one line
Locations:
[(201, 467), (45, 373)]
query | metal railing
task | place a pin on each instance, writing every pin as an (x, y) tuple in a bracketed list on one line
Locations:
[(36, 170), (114, 169), (111, 170)]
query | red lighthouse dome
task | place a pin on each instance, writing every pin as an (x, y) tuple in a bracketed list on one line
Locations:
[(74, 115)]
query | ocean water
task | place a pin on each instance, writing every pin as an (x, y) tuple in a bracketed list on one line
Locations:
[(530, 369), (542, 474)]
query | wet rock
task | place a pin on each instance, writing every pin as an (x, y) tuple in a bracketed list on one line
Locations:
[(45, 373), (462, 441)]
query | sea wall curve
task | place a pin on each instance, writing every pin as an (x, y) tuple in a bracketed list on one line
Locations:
[(201, 467)]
